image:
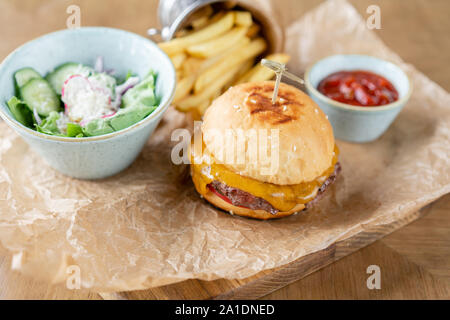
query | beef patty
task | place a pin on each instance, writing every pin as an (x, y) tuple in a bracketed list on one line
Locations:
[(247, 200)]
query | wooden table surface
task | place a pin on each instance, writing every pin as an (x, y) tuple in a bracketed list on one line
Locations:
[(414, 261)]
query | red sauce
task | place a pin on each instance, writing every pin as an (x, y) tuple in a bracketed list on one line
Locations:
[(358, 88)]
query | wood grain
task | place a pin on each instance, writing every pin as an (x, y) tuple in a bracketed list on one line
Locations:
[(414, 260), (414, 263), (15, 286)]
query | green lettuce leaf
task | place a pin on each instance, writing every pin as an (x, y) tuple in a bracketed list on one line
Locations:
[(74, 130), (129, 116), (141, 94), (21, 112), (97, 127), (48, 125)]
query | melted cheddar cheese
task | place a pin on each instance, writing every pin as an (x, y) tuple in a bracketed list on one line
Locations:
[(281, 197)]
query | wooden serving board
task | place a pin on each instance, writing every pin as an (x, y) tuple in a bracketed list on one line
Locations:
[(267, 281), (419, 252)]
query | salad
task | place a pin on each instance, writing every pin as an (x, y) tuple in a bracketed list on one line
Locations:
[(75, 100)]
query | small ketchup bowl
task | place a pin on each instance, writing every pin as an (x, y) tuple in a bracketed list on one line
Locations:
[(352, 122)]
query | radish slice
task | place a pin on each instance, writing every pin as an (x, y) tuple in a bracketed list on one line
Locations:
[(68, 79), (109, 115)]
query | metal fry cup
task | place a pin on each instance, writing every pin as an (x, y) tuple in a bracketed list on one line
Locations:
[(175, 14)]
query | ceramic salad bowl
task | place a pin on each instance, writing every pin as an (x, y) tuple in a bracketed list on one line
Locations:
[(98, 156)]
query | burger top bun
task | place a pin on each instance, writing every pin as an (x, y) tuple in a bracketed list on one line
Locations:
[(305, 144)]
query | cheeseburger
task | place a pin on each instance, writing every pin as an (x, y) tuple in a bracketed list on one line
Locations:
[(301, 144)]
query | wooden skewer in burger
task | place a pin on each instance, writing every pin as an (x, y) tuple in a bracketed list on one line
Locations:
[(301, 144)]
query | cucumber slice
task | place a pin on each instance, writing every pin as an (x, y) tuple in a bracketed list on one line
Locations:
[(24, 75), (37, 93), (57, 77)]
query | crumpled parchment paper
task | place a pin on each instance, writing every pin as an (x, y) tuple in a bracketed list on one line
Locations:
[(147, 226)]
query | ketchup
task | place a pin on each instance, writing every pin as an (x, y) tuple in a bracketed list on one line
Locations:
[(358, 88)]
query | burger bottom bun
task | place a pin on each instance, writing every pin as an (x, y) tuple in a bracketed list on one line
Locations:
[(245, 212)]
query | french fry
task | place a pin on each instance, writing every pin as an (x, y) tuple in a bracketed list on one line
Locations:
[(261, 73), (178, 59), (200, 18), (191, 66), (212, 19), (199, 22), (216, 46), (184, 86), (216, 17), (205, 105), (253, 30), (194, 65), (210, 32), (253, 49), (207, 63), (243, 18), (245, 67), (195, 100), (215, 51), (201, 108)]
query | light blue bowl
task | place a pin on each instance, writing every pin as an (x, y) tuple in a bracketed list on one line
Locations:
[(353, 123), (100, 156)]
